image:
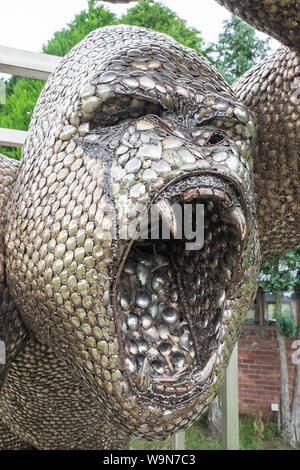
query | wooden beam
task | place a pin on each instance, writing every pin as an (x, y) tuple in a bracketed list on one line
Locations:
[(230, 405), (178, 441), (27, 64), (12, 137)]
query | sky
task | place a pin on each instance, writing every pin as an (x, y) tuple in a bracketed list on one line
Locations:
[(28, 24)]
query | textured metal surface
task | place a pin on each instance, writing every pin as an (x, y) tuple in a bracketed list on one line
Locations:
[(12, 330), (271, 90), (278, 18), (127, 338)]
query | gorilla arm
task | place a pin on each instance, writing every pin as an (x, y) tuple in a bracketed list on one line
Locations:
[(278, 18), (12, 330), (271, 90)]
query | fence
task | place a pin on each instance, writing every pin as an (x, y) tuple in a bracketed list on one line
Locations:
[(25, 64), (39, 66)]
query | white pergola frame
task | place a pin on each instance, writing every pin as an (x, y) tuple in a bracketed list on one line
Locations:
[(24, 64)]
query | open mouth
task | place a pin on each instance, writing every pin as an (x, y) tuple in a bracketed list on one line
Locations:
[(170, 299)]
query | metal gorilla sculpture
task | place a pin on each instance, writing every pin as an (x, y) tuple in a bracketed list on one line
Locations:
[(108, 337)]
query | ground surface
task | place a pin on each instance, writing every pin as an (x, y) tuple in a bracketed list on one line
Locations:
[(255, 434)]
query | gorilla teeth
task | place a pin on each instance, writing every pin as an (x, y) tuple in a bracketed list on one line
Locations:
[(146, 320), (152, 334), (142, 345), (220, 298), (142, 380), (170, 315), (237, 218), (133, 347), (133, 321), (158, 367), (200, 377), (125, 301), (143, 299), (130, 365), (167, 213)]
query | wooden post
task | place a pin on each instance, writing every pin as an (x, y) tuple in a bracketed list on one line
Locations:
[(230, 405), (178, 441)]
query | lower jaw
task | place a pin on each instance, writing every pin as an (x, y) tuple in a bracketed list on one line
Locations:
[(170, 305)]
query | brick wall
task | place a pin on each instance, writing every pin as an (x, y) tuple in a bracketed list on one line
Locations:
[(259, 370)]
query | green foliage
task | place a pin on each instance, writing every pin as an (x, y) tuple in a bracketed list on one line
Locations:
[(282, 273), (84, 23), (286, 325), (22, 93), (153, 15), (17, 111), (198, 437), (249, 440), (238, 49)]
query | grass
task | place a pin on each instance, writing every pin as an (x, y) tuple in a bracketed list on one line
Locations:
[(255, 434)]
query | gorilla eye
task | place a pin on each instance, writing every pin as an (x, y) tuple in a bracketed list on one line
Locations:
[(120, 108), (216, 137)]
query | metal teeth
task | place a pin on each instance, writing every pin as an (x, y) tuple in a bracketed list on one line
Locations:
[(178, 360), (143, 272), (184, 340), (200, 377), (133, 347), (165, 209), (159, 281), (133, 321), (153, 310), (143, 299), (158, 367), (237, 218), (152, 322), (142, 379), (130, 365), (142, 345), (170, 315), (220, 298), (163, 331), (125, 301), (146, 320), (129, 268), (152, 334)]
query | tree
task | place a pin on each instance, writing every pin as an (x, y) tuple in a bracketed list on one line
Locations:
[(17, 111), (22, 93), (238, 49), (153, 15), (85, 22), (284, 273)]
